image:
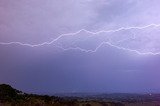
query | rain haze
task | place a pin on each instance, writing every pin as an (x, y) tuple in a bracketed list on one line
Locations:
[(65, 46)]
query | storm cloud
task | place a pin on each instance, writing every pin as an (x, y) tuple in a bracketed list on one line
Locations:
[(48, 69)]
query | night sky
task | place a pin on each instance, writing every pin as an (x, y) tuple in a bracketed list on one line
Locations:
[(69, 46)]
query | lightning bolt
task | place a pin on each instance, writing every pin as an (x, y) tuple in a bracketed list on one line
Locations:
[(94, 34)]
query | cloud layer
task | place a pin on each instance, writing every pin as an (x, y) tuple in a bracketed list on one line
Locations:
[(47, 69)]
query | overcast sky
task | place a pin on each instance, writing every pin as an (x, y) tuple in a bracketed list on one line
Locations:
[(48, 69)]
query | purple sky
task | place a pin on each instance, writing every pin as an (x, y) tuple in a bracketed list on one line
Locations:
[(129, 61)]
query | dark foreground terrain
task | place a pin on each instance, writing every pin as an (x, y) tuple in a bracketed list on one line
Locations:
[(12, 97)]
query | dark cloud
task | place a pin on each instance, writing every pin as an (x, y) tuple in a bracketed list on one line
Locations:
[(49, 69)]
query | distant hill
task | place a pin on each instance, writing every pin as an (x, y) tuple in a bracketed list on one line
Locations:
[(7, 93)]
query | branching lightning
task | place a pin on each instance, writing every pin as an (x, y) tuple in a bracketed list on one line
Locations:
[(94, 34)]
